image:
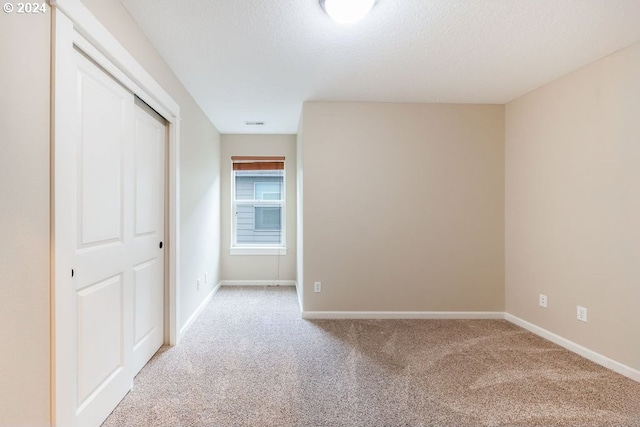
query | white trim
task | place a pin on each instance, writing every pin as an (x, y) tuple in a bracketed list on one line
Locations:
[(199, 310), (402, 315), (258, 282), (299, 291), (174, 231), (254, 250), (63, 310), (593, 356)]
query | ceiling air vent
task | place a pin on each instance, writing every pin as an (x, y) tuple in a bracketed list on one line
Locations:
[(254, 123)]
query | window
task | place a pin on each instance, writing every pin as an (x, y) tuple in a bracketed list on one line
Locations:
[(258, 206)]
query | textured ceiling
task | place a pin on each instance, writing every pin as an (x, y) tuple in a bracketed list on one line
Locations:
[(259, 60)]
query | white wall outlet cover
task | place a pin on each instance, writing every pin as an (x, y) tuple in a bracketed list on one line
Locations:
[(582, 313), (543, 300), (317, 287)]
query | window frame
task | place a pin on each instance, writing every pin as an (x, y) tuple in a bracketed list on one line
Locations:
[(258, 248)]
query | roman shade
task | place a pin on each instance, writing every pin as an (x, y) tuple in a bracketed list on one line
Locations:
[(256, 163)]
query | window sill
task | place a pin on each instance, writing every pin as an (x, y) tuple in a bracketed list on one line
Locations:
[(238, 250)]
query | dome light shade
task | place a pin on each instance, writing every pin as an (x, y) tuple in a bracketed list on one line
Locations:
[(347, 11)]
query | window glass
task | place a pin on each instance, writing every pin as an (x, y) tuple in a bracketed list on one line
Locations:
[(258, 207), (268, 190), (267, 218)]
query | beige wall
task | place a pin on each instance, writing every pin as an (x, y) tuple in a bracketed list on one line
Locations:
[(199, 162), (573, 206), (272, 267), (403, 207), (24, 220)]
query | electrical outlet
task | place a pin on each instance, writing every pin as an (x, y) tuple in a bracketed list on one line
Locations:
[(582, 314), (198, 284), (317, 287), (543, 300)]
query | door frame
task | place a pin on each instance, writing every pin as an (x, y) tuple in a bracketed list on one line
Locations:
[(75, 28)]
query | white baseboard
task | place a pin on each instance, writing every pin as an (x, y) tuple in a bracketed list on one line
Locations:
[(402, 315), (258, 283), (598, 358), (199, 310)]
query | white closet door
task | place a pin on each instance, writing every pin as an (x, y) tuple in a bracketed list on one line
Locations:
[(118, 223), (149, 167), (102, 224)]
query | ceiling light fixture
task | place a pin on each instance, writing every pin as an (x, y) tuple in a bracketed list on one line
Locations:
[(347, 11)]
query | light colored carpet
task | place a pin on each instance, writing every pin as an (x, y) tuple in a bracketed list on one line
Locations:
[(250, 360)]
